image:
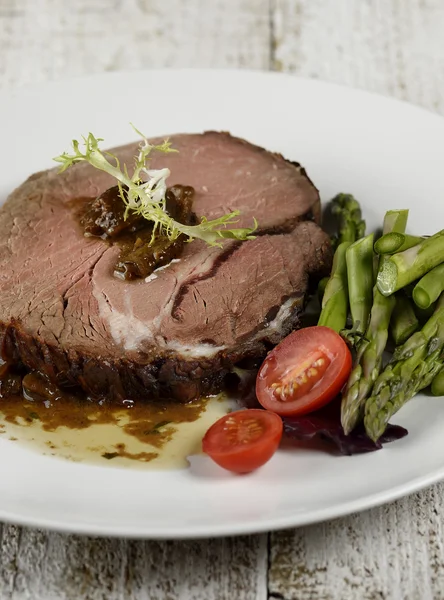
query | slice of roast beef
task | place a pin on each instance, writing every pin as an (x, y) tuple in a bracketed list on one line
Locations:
[(179, 332)]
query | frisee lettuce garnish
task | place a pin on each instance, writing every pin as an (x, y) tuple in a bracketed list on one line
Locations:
[(147, 197)]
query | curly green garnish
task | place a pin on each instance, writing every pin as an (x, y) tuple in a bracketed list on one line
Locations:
[(147, 197)]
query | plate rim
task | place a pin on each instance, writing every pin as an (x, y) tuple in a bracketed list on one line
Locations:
[(204, 532), (224, 71)]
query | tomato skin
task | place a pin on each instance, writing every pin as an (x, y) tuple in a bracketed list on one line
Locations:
[(244, 440), (304, 372)]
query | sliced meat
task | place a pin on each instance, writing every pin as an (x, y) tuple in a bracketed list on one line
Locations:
[(180, 331), (227, 173)]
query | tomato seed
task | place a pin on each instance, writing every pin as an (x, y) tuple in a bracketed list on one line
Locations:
[(300, 380)]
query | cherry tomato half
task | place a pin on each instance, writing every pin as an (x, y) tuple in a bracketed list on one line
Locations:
[(243, 440), (304, 372)]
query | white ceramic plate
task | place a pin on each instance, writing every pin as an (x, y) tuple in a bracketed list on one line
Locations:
[(387, 153)]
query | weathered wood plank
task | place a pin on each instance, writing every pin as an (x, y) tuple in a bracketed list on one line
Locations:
[(386, 46), (391, 553), (42, 40), (38, 565)]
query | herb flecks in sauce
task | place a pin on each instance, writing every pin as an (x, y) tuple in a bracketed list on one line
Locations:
[(151, 423), (123, 453), (154, 434)]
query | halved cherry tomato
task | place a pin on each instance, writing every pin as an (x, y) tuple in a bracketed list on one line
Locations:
[(304, 372), (243, 440)]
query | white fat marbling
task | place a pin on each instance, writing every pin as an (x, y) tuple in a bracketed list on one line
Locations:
[(126, 329), (275, 326), (155, 272), (130, 332)]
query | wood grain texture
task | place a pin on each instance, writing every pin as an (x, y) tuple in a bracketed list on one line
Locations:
[(43, 40), (388, 46), (391, 553), (37, 565), (393, 47)]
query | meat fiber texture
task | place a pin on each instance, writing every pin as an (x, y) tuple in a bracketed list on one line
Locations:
[(179, 332)]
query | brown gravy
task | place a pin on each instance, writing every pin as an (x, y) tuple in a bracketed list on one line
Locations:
[(160, 434)]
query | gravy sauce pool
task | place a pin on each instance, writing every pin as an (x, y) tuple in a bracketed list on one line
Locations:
[(146, 435)]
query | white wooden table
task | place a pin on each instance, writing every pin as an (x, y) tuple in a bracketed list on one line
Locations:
[(395, 47)]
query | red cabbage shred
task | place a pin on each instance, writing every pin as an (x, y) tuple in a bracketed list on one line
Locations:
[(325, 424)]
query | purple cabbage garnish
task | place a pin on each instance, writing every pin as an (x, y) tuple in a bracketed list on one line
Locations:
[(325, 424)]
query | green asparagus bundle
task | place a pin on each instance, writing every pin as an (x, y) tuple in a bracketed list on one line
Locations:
[(368, 363), (397, 261), (413, 367), (350, 284), (334, 292), (371, 347)]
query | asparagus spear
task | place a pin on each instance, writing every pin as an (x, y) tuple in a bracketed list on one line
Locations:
[(423, 375), (429, 288), (359, 258), (335, 299), (424, 314), (335, 294), (412, 367), (396, 242), (405, 267), (371, 347), (369, 361), (321, 288), (438, 383), (426, 373), (395, 220), (404, 321), (348, 211)]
